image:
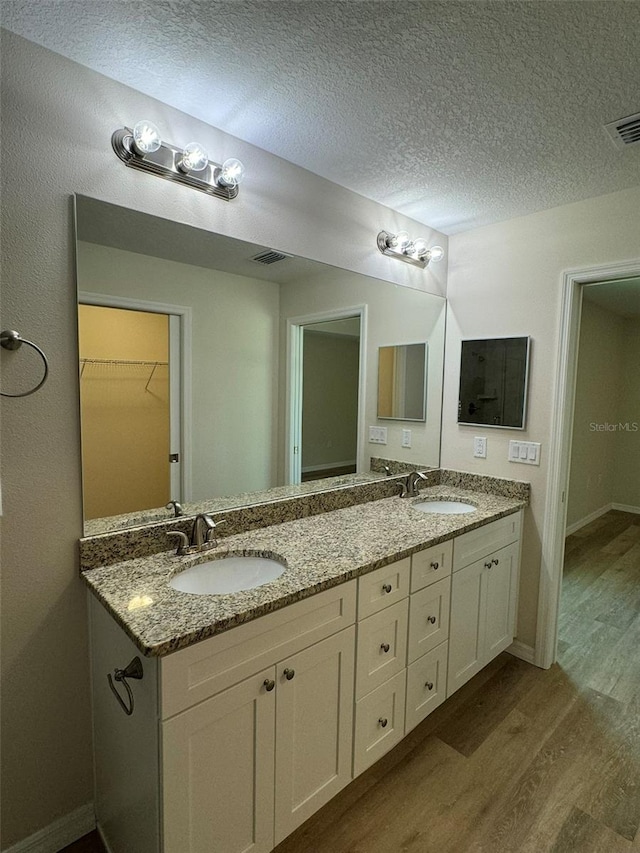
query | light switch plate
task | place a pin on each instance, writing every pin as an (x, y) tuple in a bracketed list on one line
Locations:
[(527, 452), (377, 435)]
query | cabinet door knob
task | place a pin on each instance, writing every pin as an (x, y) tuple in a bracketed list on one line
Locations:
[(385, 647), (383, 722), (386, 587), (435, 566), (269, 684), (289, 673), (429, 685), (495, 561), (431, 619), (487, 565)]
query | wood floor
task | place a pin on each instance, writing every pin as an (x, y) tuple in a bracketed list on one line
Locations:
[(520, 760)]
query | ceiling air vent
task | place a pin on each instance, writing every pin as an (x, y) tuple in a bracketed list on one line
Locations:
[(270, 257), (625, 131)]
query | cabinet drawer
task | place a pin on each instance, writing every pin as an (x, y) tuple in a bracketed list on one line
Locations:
[(206, 668), (477, 543), (426, 685), (429, 618), (382, 647), (383, 587), (379, 722), (431, 565)]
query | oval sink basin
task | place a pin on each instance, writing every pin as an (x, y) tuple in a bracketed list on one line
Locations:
[(228, 573), (444, 507)]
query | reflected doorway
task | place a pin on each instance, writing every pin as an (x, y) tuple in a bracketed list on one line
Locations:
[(130, 408)]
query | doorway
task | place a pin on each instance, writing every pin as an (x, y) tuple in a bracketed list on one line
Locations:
[(555, 522), (325, 393), (131, 398)]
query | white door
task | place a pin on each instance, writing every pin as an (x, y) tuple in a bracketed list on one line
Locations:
[(218, 764), (313, 729)]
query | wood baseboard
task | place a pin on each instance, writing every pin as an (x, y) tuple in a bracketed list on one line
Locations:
[(58, 834)]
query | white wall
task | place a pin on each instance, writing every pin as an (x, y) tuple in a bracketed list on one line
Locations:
[(627, 491), (506, 279), (234, 360), (59, 116)]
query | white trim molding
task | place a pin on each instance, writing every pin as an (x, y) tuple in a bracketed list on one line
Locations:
[(58, 834), (626, 508), (560, 450), (521, 650), (582, 522)]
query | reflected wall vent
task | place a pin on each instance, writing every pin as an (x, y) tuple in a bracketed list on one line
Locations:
[(625, 131), (270, 257)]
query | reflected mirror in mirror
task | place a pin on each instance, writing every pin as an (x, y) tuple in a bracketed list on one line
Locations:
[(493, 382), (214, 406), (402, 382)]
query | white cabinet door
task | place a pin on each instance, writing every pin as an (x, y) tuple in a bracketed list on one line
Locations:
[(467, 625), (483, 601), (501, 580), (382, 647), (428, 618), (218, 770), (314, 729), (426, 685)]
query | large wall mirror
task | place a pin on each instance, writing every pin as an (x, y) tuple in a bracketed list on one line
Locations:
[(218, 372)]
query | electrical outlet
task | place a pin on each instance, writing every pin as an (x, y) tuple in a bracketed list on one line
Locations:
[(406, 438), (377, 435), (480, 447)]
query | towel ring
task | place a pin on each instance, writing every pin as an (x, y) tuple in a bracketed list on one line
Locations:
[(12, 340)]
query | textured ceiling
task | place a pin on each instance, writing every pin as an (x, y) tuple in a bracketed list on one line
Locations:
[(455, 113)]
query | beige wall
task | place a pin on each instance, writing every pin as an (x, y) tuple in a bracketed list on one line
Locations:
[(60, 117), (506, 279), (234, 346), (124, 410), (596, 475)]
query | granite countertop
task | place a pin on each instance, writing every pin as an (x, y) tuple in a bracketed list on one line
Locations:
[(320, 551)]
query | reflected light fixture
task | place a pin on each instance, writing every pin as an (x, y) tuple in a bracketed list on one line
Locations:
[(142, 147), (414, 252)]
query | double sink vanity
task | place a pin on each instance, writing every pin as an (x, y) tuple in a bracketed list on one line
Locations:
[(256, 706)]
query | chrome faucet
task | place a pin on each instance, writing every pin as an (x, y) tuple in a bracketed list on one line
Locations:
[(409, 489), (202, 535), (176, 507)]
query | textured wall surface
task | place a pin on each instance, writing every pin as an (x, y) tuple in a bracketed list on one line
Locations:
[(61, 117), (504, 280)]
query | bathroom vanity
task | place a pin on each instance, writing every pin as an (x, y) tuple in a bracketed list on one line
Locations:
[(256, 708)]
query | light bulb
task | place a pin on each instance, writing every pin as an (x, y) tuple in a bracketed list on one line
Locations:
[(435, 253), (146, 137), (231, 173), (194, 158), (399, 241), (420, 248)]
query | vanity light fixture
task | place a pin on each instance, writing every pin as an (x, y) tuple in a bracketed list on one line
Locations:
[(142, 148), (415, 252)]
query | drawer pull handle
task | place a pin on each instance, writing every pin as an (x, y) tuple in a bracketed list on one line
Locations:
[(289, 673), (431, 619), (385, 647), (269, 684), (495, 561), (383, 722), (386, 587), (429, 685), (435, 566), (487, 565)]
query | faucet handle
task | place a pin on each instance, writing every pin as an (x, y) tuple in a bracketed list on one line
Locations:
[(211, 529), (183, 544)]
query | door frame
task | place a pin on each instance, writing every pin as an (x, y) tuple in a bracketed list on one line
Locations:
[(183, 312), (294, 367), (554, 526)]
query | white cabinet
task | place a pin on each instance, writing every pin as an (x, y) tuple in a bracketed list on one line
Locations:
[(426, 685), (483, 599)]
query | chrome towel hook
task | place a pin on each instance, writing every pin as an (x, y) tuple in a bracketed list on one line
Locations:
[(132, 670), (12, 340)]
